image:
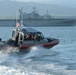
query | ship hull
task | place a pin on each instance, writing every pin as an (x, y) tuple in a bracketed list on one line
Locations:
[(26, 47), (39, 22), (49, 22), (45, 45)]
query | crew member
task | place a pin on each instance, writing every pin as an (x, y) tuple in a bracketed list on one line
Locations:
[(16, 39), (1, 44), (21, 38)]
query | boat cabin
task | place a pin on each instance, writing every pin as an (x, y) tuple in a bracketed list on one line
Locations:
[(29, 34)]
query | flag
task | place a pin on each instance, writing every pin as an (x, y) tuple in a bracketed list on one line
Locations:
[(17, 24)]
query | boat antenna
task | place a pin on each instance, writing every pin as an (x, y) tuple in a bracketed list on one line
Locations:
[(16, 20), (21, 16)]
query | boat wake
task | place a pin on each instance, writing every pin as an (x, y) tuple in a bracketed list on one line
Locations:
[(26, 64), (9, 50), (38, 52)]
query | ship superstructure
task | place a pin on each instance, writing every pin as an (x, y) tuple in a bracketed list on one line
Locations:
[(35, 19)]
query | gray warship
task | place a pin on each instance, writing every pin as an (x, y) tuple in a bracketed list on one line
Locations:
[(34, 19)]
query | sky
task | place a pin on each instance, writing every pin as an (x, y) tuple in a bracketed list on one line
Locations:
[(71, 3)]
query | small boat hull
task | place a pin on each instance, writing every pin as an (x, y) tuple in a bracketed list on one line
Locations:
[(26, 48), (47, 45)]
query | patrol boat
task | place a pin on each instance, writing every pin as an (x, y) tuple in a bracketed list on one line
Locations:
[(29, 37)]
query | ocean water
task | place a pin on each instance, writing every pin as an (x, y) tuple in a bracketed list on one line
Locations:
[(59, 60)]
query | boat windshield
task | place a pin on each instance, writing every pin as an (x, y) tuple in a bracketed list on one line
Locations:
[(40, 35), (32, 33)]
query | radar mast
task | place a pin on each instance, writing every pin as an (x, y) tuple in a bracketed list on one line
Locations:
[(21, 16)]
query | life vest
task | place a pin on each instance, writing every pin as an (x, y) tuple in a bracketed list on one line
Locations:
[(14, 34), (21, 36)]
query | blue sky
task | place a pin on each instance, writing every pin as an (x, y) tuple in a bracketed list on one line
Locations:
[(71, 3)]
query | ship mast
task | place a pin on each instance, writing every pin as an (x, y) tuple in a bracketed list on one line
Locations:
[(47, 12), (34, 9), (21, 16)]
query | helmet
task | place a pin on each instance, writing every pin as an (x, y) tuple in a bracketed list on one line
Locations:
[(18, 29)]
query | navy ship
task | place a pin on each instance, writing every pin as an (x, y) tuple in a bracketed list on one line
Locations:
[(35, 19)]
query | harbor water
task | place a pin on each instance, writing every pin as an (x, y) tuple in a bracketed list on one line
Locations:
[(59, 60)]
